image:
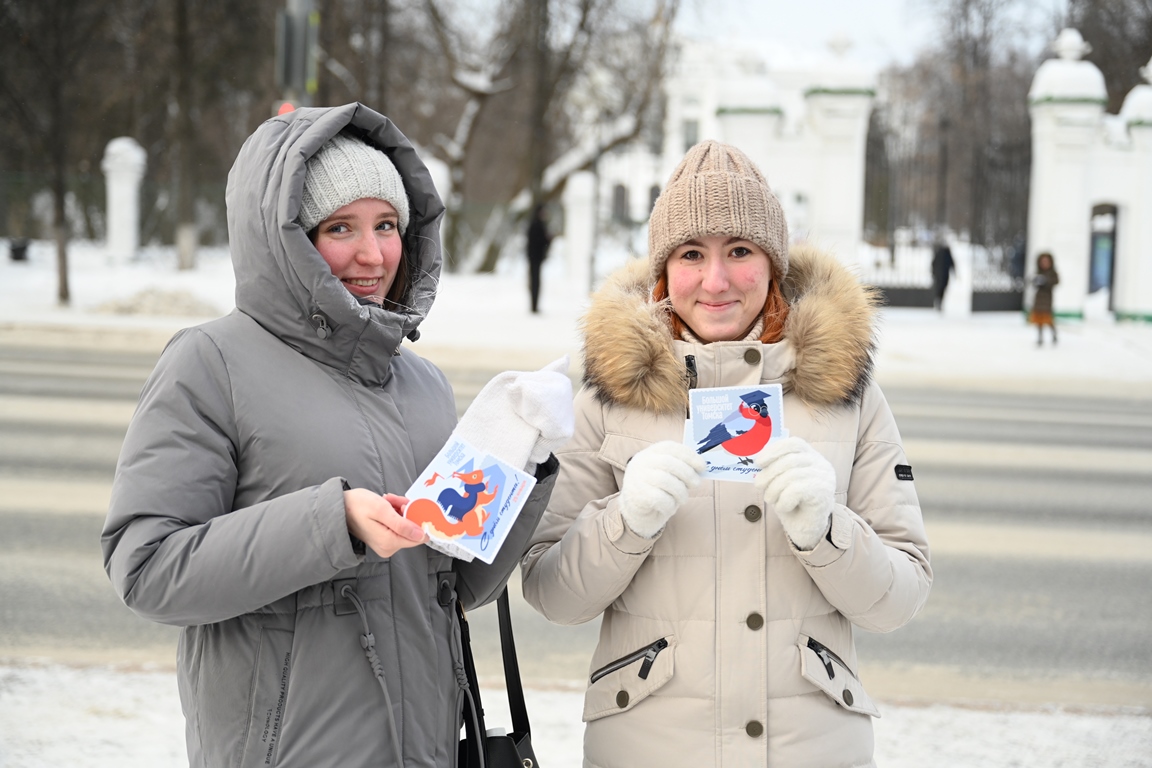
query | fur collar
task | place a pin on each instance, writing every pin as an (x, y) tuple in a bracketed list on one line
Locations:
[(629, 358)]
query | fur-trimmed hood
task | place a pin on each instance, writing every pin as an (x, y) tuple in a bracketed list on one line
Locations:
[(629, 355)]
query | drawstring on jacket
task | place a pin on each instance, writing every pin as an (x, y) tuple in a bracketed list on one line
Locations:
[(368, 643), (465, 691)]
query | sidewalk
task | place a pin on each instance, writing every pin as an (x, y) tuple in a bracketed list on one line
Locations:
[(122, 718), (482, 321)]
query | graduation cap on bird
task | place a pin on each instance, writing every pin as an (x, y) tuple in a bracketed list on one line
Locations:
[(753, 407)]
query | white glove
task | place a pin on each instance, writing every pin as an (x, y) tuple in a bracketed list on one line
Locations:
[(656, 482), (800, 484), (520, 418)]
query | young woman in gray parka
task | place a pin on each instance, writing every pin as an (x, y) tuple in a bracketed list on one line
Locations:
[(255, 497)]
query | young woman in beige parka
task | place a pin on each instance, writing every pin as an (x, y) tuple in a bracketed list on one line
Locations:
[(729, 607)]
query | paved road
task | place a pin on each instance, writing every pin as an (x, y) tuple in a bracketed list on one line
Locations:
[(1037, 508)]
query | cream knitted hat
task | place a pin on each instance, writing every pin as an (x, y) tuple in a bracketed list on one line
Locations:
[(717, 190), (344, 171)]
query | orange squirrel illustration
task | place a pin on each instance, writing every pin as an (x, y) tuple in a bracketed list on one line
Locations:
[(456, 513)]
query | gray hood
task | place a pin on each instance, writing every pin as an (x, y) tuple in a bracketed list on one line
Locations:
[(284, 284)]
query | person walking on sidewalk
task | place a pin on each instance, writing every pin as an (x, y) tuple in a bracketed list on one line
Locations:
[(943, 265), (728, 608), (539, 239), (256, 503), (1044, 281)]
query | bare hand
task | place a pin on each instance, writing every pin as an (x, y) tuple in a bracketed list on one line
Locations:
[(376, 521)]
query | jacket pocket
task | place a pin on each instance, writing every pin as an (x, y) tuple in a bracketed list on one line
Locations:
[(270, 677), (622, 683), (828, 672), (617, 450)]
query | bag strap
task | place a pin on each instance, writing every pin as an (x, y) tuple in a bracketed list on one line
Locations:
[(474, 726), (512, 682)]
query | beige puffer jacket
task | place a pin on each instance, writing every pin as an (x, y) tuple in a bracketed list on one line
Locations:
[(721, 644)]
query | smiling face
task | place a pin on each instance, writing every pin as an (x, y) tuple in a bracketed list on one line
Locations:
[(361, 245), (718, 285)]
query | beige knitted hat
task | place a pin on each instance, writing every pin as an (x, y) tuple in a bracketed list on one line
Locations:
[(344, 171), (717, 190)]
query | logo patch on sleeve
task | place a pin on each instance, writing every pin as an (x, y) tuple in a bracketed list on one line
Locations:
[(903, 472)]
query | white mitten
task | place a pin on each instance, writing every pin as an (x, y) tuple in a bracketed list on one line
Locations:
[(656, 482), (801, 485), (521, 417)]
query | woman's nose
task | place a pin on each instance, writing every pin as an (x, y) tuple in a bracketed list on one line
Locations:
[(715, 276), (368, 251)]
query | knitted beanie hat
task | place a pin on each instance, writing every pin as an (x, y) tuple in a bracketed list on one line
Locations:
[(344, 171), (717, 190)]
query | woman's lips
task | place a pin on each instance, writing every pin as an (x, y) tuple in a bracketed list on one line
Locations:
[(716, 306), (362, 285)]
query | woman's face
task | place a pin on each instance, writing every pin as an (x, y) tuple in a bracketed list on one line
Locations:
[(718, 285), (361, 244), (1044, 262)]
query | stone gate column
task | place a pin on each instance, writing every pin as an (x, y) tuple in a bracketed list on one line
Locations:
[(123, 165), (1066, 101)]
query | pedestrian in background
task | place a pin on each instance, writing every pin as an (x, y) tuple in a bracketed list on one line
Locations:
[(539, 238), (942, 268), (1043, 281), (729, 608), (256, 500)]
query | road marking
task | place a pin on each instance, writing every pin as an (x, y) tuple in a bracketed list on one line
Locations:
[(44, 496), (66, 410), (941, 684), (1045, 542), (967, 413), (965, 454), (74, 370)]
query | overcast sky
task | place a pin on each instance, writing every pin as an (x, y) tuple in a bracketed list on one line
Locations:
[(882, 31)]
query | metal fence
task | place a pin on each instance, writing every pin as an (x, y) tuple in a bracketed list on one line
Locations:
[(27, 208), (916, 193)]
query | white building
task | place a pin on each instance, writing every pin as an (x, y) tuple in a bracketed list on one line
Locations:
[(1090, 201), (803, 120)]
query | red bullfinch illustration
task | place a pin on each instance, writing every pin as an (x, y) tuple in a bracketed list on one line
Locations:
[(742, 443)]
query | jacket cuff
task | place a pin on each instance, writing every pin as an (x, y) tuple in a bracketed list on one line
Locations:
[(831, 547), (332, 522), (623, 538)]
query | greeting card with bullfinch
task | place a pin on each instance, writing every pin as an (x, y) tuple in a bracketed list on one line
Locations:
[(466, 501), (728, 425)]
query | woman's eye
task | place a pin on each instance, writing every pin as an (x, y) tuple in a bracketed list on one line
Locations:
[(691, 255), (741, 251), (336, 228), (385, 226)]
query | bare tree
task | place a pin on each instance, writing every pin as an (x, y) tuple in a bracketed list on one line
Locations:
[(1120, 33), (51, 49), (957, 132), (568, 82)]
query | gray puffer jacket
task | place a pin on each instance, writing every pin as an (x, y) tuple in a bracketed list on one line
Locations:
[(227, 514)]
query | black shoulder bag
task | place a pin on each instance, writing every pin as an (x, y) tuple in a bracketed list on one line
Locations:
[(479, 749)]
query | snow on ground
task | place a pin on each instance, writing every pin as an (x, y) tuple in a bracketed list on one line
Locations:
[(104, 717), (477, 316), (113, 717)]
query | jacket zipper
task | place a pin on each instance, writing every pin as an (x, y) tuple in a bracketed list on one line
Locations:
[(693, 377), (648, 653), (828, 657)]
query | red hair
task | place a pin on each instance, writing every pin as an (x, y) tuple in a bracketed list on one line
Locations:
[(774, 314)]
